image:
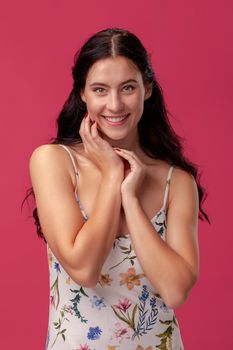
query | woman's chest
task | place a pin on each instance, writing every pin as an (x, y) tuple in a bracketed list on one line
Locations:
[(150, 195)]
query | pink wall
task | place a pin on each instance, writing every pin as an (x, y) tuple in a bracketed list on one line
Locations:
[(191, 53)]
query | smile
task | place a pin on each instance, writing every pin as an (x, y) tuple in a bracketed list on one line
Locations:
[(116, 120)]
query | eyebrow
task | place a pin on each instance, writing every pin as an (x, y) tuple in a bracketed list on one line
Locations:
[(124, 82)]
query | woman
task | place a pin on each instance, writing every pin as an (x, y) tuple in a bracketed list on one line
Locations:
[(123, 258)]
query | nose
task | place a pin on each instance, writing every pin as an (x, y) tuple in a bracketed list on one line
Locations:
[(115, 103)]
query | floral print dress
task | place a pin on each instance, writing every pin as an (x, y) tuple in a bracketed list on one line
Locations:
[(123, 311)]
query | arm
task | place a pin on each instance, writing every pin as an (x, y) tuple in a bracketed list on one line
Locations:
[(171, 266), (81, 247)]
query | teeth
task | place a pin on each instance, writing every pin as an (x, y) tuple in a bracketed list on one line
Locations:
[(118, 119)]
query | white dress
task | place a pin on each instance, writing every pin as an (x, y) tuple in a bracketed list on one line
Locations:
[(123, 311)]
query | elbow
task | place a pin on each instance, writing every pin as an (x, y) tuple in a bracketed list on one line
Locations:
[(86, 279), (175, 300), (178, 296)]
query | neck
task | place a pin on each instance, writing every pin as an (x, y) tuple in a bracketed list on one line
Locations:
[(129, 143)]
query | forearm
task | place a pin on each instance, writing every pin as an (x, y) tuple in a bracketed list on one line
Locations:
[(95, 239), (169, 273)]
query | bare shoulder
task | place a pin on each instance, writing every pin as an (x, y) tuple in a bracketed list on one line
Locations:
[(45, 151), (50, 155), (183, 193), (182, 180), (51, 160)]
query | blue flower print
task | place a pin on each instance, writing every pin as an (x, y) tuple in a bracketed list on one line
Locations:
[(144, 294), (57, 267), (153, 302), (97, 303), (164, 307), (94, 333)]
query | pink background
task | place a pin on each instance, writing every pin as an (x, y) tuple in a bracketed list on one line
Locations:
[(190, 42)]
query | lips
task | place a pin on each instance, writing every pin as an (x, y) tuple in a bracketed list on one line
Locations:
[(116, 120)]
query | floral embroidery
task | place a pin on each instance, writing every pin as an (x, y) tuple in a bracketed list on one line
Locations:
[(57, 267), (76, 300), (105, 280), (130, 255), (94, 333), (166, 336), (130, 278), (146, 320), (58, 326), (120, 333), (164, 307), (97, 303), (52, 300), (161, 224), (50, 257), (54, 290), (124, 314), (123, 305), (123, 310)]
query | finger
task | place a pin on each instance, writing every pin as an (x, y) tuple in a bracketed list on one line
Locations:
[(87, 133), (127, 156), (86, 125), (126, 153), (94, 131), (81, 129)]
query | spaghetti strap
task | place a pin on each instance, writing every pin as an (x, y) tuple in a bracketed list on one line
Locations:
[(167, 186), (73, 162)]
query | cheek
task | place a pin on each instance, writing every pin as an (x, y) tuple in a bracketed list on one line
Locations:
[(93, 105), (138, 102)]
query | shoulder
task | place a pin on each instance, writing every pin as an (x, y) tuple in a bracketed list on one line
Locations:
[(45, 150), (49, 153), (183, 187), (182, 177), (52, 158)]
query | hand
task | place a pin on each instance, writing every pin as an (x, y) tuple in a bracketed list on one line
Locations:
[(99, 151), (136, 172)]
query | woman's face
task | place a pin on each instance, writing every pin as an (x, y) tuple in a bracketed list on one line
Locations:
[(114, 94)]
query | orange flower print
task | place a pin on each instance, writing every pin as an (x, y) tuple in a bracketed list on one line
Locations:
[(105, 280), (139, 347), (68, 280), (130, 278), (50, 257)]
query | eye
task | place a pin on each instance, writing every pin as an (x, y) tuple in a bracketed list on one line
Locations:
[(129, 88), (98, 90)]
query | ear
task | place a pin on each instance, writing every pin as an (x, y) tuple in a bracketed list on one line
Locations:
[(82, 95), (148, 91)]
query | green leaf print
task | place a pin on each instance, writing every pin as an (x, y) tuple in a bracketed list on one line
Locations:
[(76, 300), (55, 291), (73, 309), (166, 336), (124, 315), (127, 251), (58, 326)]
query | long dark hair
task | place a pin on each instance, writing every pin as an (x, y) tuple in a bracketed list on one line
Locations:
[(156, 135)]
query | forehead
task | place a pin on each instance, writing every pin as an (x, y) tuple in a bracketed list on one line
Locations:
[(115, 69)]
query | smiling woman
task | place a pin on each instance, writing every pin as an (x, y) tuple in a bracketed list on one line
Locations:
[(115, 93), (117, 204)]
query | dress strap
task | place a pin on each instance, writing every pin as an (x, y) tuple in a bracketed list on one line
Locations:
[(167, 186), (73, 162)]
